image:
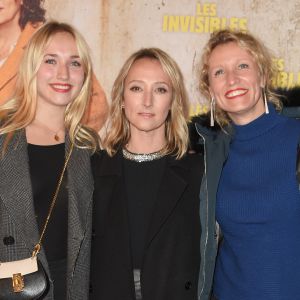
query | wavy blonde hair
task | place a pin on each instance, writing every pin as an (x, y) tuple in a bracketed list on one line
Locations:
[(20, 111), (261, 56), (176, 124)]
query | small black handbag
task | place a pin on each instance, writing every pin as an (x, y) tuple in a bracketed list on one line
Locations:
[(32, 286)]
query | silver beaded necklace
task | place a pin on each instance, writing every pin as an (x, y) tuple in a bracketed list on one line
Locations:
[(142, 157)]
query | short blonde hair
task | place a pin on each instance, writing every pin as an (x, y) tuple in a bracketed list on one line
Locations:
[(176, 123), (20, 111), (259, 52)]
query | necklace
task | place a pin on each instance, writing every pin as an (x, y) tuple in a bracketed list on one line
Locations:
[(56, 136), (142, 157)]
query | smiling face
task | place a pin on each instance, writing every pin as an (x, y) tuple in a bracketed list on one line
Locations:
[(9, 11), (235, 83), (60, 76), (147, 98)]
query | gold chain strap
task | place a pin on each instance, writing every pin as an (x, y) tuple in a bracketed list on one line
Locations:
[(37, 247)]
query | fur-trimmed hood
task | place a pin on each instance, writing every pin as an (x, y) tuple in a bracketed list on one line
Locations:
[(199, 127)]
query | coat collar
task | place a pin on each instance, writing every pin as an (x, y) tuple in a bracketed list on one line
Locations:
[(202, 124), (113, 165), (80, 190), (109, 165), (173, 185), (80, 195)]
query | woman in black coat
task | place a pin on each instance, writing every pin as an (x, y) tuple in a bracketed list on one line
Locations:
[(146, 200)]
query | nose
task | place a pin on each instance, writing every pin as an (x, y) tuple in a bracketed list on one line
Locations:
[(232, 77), (63, 72), (148, 98)]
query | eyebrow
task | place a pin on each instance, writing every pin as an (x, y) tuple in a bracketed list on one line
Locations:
[(141, 81), (55, 55)]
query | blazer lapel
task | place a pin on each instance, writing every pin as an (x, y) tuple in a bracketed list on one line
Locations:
[(16, 192), (112, 192), (172, 187), (80, 191)]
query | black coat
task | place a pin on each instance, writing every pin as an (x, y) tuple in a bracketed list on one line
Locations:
[(170, 268)]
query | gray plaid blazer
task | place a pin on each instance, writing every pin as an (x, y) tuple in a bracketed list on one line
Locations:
[(17, 218)]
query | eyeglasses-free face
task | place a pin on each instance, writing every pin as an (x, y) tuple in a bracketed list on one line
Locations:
[(235, 83)]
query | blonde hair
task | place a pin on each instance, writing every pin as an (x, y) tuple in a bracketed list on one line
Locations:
[(20, 111), (258, 51), (176, 124)]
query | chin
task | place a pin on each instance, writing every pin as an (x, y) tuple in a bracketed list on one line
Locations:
[(146, 129)]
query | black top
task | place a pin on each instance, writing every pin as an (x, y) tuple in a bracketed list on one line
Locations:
[(142, 180), (46, 164)]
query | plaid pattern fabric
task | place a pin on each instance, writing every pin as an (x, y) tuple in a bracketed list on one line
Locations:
[(17, 218)]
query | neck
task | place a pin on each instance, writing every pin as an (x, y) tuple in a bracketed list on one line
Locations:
[(54, 116), (258, 126), (9, 33), (145, 143), (246, 117), (47, 128), (55, 128)]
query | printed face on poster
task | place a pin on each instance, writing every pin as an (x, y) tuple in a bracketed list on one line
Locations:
[(115, 29)]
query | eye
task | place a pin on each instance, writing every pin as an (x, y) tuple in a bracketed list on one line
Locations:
[(243, 66), (161, 90), (135, 88), (75, 63), (218, 72), (50, 61)]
